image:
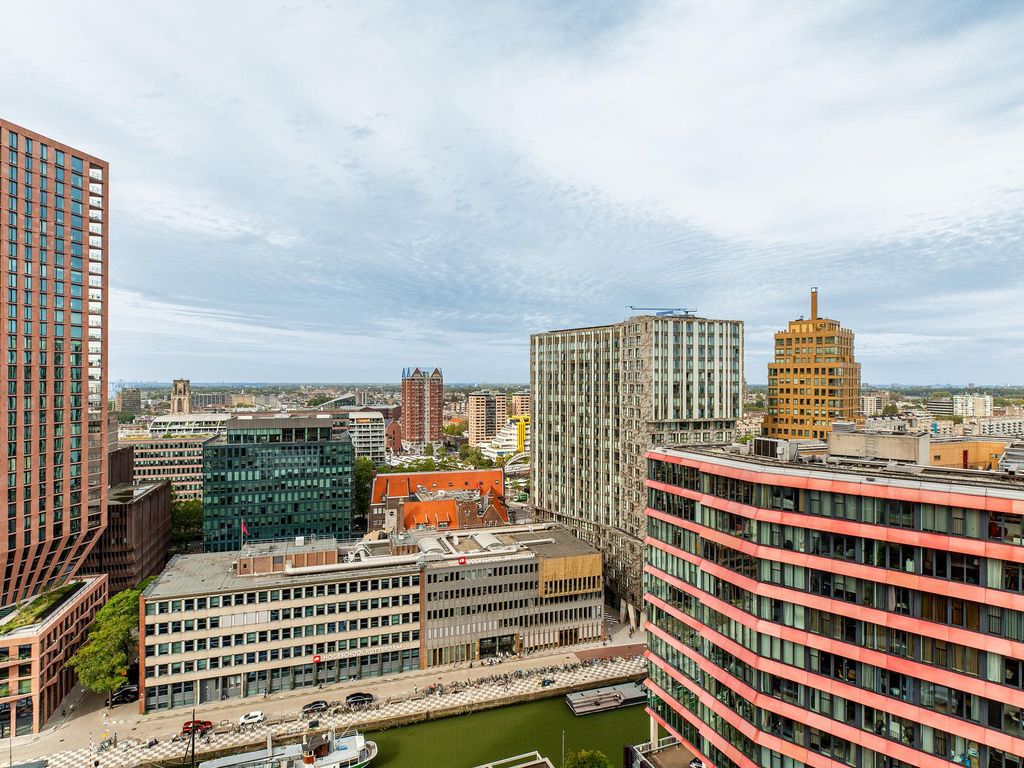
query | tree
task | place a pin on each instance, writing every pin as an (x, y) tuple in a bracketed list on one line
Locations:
[(186, 520), (457, 428), (362, 484), (891, 409), (428, 449), (313, 402), (587, 758), (104, 656)]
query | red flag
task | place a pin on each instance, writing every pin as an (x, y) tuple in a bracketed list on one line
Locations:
[(245, 531)]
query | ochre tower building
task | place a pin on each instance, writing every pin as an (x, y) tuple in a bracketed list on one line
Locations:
[(814, 381)]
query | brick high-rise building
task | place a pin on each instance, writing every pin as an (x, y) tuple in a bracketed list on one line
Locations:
[(422, 405), (54, 206), (487, 413), (840, 614), (601, 397), (814, 380)]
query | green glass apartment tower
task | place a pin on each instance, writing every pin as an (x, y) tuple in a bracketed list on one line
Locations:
[(274, 478)]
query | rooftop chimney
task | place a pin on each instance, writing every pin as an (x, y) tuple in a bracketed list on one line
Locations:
[(814, 303)]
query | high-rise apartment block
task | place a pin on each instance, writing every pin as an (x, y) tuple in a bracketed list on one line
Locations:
[(848, 614), (54, 206), (814, 380), (422, 406), (276, 477), (601, 397), (129, 401), (519, 404), (366, 428), (976, 406), (486, 413), (181, 396)]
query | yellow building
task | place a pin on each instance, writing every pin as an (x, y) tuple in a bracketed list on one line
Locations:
[(814, 380)]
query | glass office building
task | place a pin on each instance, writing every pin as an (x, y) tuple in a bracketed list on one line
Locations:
[(274, 478)]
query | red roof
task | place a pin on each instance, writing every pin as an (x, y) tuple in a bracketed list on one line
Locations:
[(405, 484)]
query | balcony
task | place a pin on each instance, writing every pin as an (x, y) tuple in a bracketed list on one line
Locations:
[(667, 753)]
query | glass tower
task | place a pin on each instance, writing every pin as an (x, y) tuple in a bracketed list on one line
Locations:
[(273, 478)]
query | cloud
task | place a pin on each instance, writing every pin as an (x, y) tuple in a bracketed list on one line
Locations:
[(333, 191)]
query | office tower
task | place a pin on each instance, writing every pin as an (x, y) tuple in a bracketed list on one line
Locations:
[(181, 396), (814, 380), (129, 401), (486, 413), (519, 404), (601, 397), (849, 613), (54, 207), (422, 406), (276, 477)]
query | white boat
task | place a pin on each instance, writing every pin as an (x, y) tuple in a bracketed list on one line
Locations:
[(323, 750)]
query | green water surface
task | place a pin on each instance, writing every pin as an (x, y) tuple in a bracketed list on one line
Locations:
[(469, 740)]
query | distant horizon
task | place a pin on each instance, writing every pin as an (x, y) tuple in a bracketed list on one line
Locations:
[(154, 383)]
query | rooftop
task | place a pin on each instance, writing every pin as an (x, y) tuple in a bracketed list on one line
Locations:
[(870, 470), (213, 572), (125, 493)]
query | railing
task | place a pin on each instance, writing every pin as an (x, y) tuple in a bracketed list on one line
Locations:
[(638, 754)]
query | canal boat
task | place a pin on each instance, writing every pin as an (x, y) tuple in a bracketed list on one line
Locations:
[(606, 699), (322, 750)]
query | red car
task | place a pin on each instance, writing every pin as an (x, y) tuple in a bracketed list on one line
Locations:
[(199, 727)]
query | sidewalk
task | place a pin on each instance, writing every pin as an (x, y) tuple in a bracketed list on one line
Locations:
[(90, 720)]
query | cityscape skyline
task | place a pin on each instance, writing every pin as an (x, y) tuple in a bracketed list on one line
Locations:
[(312, 224)]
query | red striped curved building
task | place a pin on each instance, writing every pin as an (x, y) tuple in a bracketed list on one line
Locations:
[(846, 614)]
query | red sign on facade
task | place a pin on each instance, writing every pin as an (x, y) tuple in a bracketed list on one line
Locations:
[(462, 561), (316, 659)]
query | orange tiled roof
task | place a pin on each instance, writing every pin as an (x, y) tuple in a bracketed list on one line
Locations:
[(403, 484), (442, 513)]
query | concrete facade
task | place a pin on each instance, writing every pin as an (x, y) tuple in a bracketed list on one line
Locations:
[(281, 615), (601, 397), (368, 434), (486, 413)]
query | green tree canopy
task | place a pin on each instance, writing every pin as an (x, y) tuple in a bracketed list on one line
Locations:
[(186, 520), (587, 758), (891, 409), (362, 485), (313, 402), (457, 428), (102, 659)]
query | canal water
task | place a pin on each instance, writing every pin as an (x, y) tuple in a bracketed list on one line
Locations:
[(470, 740)]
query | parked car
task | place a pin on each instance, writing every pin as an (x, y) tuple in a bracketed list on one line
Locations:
[(125, 695), (359, 699), (696, 763), (314, 706), (199, 727), (251, 718)]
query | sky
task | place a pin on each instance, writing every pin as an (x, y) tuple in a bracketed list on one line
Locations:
[(333, 191)]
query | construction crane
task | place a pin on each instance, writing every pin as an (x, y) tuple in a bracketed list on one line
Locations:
[(663, 311)]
